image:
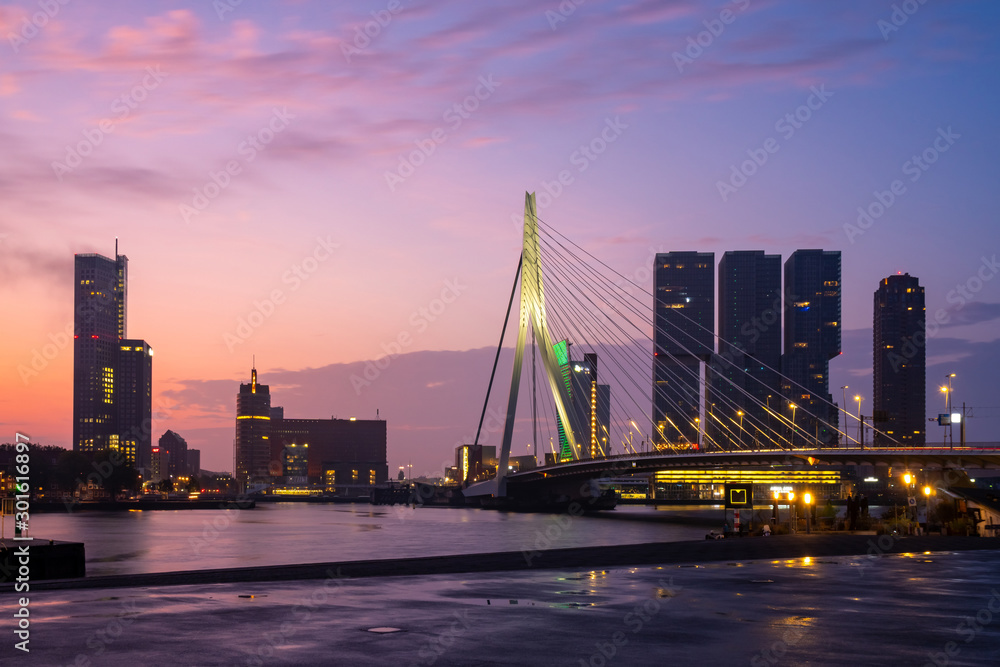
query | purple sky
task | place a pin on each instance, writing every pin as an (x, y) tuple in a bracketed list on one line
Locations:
[(124, 119)]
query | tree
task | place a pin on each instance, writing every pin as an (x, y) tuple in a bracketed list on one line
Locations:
[(167, 485), (116, 474)]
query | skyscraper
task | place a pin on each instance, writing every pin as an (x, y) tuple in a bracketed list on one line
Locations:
[(112, 386), (745, 373), (253, 421), (683, 341), (134, 398), (812, 339), (900, 363)]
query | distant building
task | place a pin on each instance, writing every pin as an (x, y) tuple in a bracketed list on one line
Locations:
[(812, 339), (589, 405), (134, 396), (337, 454), (112, 374), (900, 362), (253, 422), (475, 462), (194, 462), (746, 370), (683, 341), (179, 454), (159, 464)]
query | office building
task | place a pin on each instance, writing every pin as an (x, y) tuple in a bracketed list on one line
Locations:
[(812, 339), (112, 374), (683, 342), (746, 370), (134, 398), (179, 453), (900, 362), (589, 405), (252, 448), (338, 455)]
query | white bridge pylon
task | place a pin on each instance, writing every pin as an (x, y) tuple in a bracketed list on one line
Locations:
[(533, 315)]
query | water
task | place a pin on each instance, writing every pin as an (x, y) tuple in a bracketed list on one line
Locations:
[(288, 533)]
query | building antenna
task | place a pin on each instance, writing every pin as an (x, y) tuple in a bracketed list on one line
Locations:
[(116, 247)]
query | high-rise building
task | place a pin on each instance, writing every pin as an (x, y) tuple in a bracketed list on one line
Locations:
[(177, 446), (812, 339), (134, 396), (900, 362), (589, 405), (253, 421), (746, 370), (194, 462), (683, 341), (112, 374)]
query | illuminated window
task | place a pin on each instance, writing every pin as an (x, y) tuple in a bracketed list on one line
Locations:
[(371, 477), (354, 475)]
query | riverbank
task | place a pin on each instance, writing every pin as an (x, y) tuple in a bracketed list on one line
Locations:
[(692, 552)]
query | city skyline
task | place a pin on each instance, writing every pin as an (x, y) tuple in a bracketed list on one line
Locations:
[(314, 257)]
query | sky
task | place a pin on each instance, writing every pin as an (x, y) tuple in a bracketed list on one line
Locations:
[(320, 186)]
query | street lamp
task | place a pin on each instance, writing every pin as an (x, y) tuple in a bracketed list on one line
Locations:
[(951, 432), (843, 407), (861, 433), (793, 407), (927, 494), (807, 498), (739, 413)]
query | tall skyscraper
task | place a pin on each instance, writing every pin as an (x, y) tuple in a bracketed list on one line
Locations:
[(253, 421), (900, 364), (745, 373), (112, 386), (683, 341), (812, 339), (134, 396)]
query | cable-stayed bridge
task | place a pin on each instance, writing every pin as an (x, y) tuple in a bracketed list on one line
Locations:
[(606, 413)]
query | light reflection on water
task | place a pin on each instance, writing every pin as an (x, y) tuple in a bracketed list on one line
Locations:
[(286, 533)]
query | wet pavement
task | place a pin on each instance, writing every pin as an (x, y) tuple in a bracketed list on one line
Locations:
[(932, 608)]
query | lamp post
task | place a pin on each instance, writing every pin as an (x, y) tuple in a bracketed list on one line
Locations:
[(861, 432), (793, 407), (843, 408), (951, 432), (944, 436), (739, 413), (927, 494), (807, 498)]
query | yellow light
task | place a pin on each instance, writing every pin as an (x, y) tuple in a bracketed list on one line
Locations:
[(927, 490), (944, 389), (907, 478), (791, 495), (808, 498)]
